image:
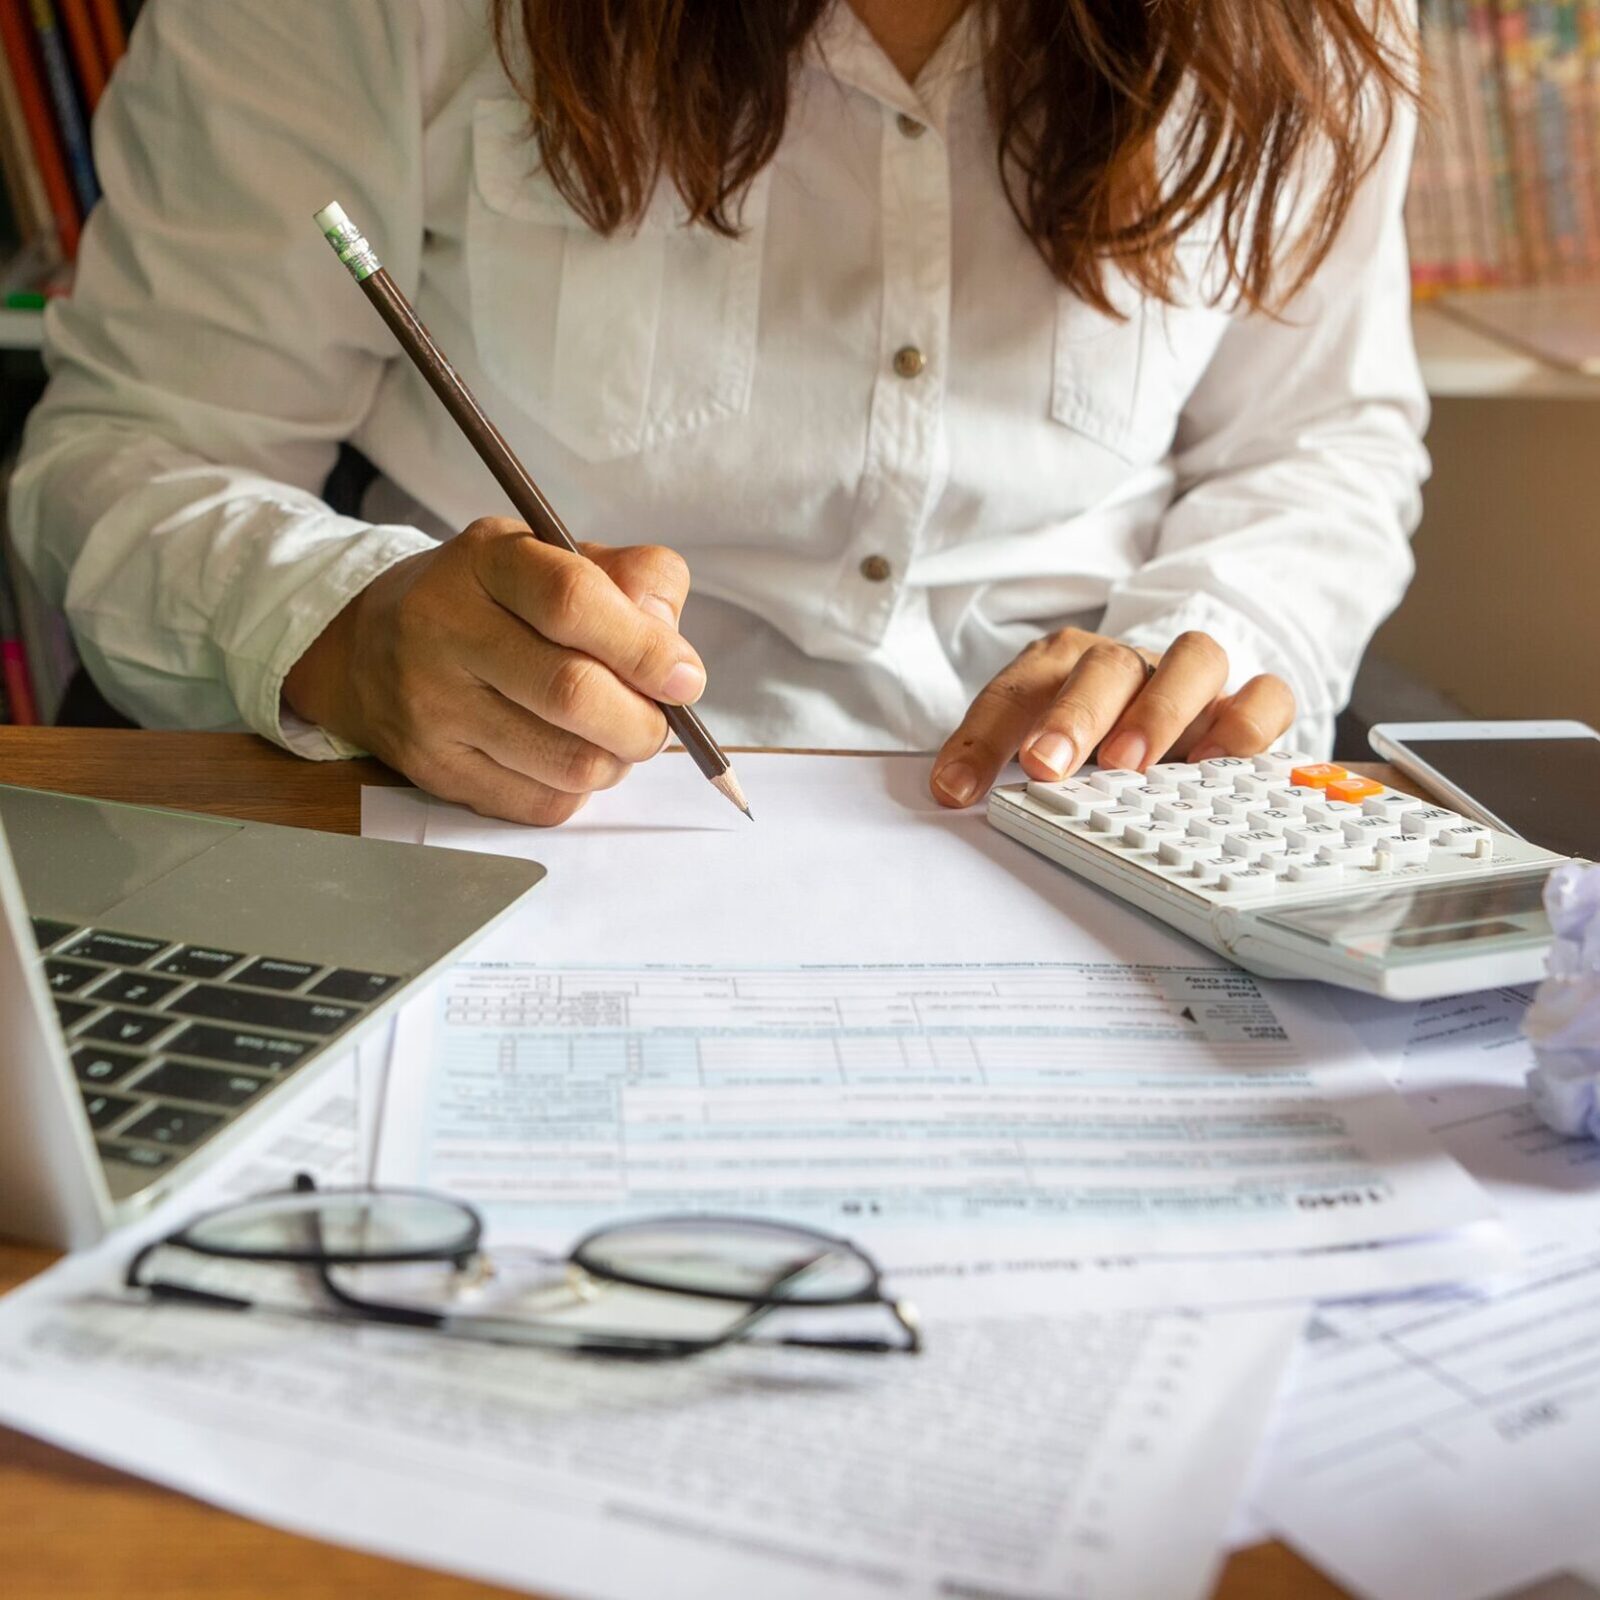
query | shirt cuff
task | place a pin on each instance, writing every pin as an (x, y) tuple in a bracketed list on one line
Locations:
[(351, 563)]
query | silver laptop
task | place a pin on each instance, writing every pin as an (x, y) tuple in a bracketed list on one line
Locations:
[(163, 976)]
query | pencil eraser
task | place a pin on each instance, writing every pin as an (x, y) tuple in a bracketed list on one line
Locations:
[(331, 218)]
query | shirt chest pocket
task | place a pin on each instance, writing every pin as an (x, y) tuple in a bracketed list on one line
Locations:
[(613, 344), (1124, 380)]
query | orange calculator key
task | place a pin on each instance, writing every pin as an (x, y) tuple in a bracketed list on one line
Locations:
[(1318, 775), (1353, 789)]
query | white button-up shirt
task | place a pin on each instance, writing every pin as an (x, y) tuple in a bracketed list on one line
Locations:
[(891, 446)]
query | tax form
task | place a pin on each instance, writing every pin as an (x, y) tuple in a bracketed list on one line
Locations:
[(1081, 1457), (1019, 1091)]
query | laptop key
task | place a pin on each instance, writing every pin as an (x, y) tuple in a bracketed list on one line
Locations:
[(363, 987), (121, 949), (96, 1065), (197, 961), (136, 1155), (264, 1010), (47, 931), (127, 1027), (67, 977), (184, 1081), (136, 989), (104, 1109), (71, 1012), (172, 1126), (269, 973), (239, 1047)]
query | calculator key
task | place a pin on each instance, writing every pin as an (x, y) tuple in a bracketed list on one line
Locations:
[(104, 1109), (1065, 799), (1271, 819), (1464, 836), (1248, 880), (1428, 822), (1173, 772), (136, 1155), (1317, 775), (172, 1126), (1334, 810), (47, 931), (1368, 830), (1254, 788), (209, 1085), (67, 977), (1279, 763), (71, 1012), (135, 989), (1224, 769), (1405, 851), (1294, 796), (1185, 854), (219, 1004), (1211, 830), (1353, 790), (271, 974), (1254, 844), (1391, 807), (199, 961), (1315, 872), (1148, 795), (1112, 818), (1235, 808), (1203, 791), (1348, 854), (1181, 811), (95, 1064), (1303, 835), (1283, 864), (1149, 835), (239, 1047), (128, 1027), (122, 949)]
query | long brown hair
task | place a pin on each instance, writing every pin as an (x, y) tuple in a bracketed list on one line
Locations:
[(1258, 103)]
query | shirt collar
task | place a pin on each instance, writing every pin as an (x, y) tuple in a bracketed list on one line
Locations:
[(843, 47)]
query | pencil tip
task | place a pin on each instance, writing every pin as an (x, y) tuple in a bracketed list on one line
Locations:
[(728, 785)]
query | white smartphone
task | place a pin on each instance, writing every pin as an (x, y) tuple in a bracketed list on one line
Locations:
[(1539, 780)]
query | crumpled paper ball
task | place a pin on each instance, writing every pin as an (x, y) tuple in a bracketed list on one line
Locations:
[(1564, 1020)]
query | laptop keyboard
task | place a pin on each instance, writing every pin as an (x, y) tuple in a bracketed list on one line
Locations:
[(170, 1041)]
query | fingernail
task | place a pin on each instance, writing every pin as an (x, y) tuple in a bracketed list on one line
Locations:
[(683, 684), (1126, 750), (653, 605), (1053, 750), (1206, 752), (958, 781)]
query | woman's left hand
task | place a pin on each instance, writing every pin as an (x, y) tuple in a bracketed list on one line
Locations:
[(1071, 691)]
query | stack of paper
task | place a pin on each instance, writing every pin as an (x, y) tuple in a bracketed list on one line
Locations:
[(1113, 1172)]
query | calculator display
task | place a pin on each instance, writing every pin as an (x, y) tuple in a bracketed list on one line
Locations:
[(1544, 789), (1400, 921)]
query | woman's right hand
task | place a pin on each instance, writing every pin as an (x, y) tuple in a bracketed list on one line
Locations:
[(504, 673)]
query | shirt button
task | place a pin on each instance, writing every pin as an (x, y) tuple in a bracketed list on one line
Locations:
[(874, 568), (909, 361), (910, 127)]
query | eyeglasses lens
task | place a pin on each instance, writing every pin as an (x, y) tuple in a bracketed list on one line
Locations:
[(357, 1225), (736, 1259)]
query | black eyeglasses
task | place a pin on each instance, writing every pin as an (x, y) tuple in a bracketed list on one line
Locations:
[(668, 1286)]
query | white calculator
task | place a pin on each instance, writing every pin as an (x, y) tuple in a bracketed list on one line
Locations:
[(1297, 868)]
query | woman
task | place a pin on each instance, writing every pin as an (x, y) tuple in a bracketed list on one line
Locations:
[(1040, 372)]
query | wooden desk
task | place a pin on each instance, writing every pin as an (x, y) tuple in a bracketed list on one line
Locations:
[(71, 1530)]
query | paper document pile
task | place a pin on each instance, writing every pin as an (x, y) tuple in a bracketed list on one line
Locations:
[(1114, 1173)]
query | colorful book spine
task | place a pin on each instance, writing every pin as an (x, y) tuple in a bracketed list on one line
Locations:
[(86, 55), (14, 659), (16, 39), (113, 36), (1474, 131), (20, 168), (64, 97), (1517, 58)]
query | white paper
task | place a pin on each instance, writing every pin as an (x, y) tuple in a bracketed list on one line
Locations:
[(1003, 1137), (1091, 1456), (1448, 1447), (1461, 1064)]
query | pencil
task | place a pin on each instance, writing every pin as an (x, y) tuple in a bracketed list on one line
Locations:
[(498, 456)]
